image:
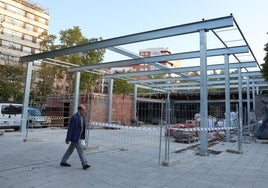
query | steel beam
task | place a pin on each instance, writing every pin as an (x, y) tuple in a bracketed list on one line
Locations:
[(177, 70), (210, 83), (161, 58), (178, 88), (155, 89), (212, 76), (138, 37)]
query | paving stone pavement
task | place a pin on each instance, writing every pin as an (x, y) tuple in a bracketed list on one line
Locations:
[(34, 163)]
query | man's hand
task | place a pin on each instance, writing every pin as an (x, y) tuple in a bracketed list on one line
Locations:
[(67, 141)]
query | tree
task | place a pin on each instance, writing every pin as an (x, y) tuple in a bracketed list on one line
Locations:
[(51, 73), (265, 64), (46, 85), (122, 87), (11, 82), (47, 43), (43, 80)]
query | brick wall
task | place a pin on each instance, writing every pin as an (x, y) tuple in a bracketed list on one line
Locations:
[(99, 108), (97, 105), (122, 109)]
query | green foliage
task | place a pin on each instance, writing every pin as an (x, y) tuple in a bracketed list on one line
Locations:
[(265, 64), (157, 76), (12, 78), (68, 38), (47, 44), (122, 87), (11, 82), (46, 75)]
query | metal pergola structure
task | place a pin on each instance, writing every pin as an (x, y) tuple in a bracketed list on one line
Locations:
[(235, 55)]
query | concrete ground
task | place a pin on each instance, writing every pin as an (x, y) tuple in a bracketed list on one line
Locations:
[(34, 163)]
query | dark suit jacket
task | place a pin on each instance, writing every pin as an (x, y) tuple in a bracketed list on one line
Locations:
[(74, 128)]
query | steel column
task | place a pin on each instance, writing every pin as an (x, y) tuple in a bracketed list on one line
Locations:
[(227, 98), (110, 105), (76, 91), (26, 97), (253, 96), (203, 94), (135, 102), (248, 103), (167, 137), (240, 113)]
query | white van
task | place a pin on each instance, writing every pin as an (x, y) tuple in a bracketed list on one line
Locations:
[(10, 116)]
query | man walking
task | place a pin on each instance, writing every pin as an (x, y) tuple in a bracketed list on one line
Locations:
[(76, 132)]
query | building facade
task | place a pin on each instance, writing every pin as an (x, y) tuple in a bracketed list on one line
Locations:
[(22, 23), (149, 52)]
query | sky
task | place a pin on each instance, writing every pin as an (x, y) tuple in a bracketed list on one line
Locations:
[(115, 18)]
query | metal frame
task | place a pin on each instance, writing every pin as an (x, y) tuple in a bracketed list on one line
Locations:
[(202, 82)]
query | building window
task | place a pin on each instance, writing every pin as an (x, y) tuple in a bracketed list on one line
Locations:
[(42, 20), (15, 10), (28, 37), (13, 21), (30, 16), (40, 30), (38, 40), (2, 5), (29, 27), (26, 49), (12, 33), (156, 53), (11, 45)]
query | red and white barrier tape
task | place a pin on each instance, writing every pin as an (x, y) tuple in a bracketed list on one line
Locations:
[(156, 129)]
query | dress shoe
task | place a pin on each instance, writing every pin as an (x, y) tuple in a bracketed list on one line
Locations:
[(86, 166), (64, 164)]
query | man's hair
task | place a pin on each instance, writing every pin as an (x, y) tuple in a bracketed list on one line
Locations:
[(80, 107)]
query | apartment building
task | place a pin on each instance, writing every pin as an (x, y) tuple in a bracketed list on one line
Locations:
[(149, 52), (22, 22)]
